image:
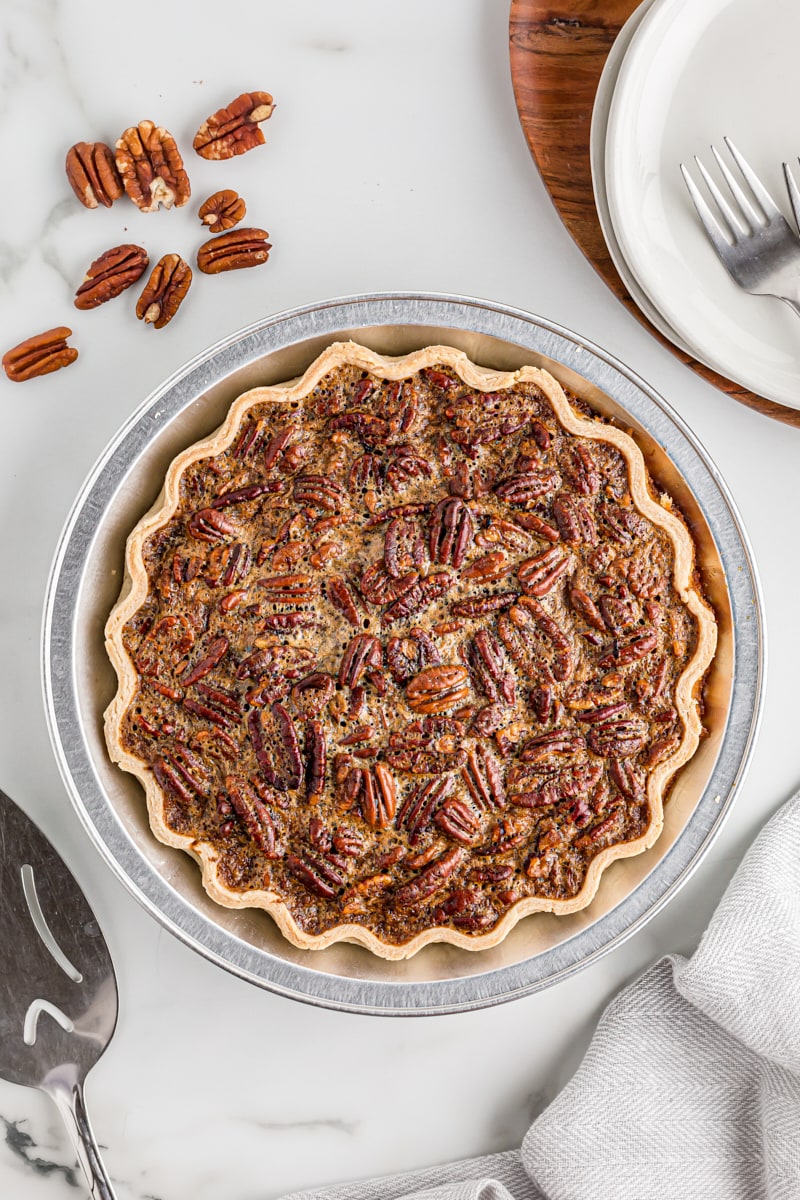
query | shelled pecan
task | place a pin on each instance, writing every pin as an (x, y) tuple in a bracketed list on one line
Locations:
[(39, 355), (93, 175), (234, 129), (151, 167), (233, 251), (110, 274), (222, 211), (164, 291)]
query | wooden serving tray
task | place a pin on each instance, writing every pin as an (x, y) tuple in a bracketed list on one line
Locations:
[(558, 51)]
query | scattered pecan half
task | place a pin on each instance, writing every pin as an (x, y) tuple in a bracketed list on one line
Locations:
[(111, 274), (164, 291), (151, 167), (232, 251), (222, 211), (235, 129), (39, 355), (93, 175)]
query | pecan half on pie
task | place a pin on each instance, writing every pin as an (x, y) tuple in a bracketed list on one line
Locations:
[(407, 650)]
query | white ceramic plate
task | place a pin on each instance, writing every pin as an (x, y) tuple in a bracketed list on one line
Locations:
[(597, 155), (695, 71)]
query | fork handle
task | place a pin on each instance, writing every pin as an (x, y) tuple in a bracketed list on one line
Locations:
[(69, 1100)]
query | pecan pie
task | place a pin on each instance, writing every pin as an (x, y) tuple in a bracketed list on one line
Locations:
[(407, 650)]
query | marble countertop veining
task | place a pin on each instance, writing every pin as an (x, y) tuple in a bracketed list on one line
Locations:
[(394, 161)]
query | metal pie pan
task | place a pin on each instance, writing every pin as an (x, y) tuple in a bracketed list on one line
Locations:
[(79, 681)]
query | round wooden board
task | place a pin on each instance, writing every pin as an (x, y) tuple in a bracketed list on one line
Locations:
[(558, 50)]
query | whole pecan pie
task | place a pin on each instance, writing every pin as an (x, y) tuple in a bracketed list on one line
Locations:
[(407, 650)]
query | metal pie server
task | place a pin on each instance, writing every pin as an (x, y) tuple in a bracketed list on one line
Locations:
[(58, 992)]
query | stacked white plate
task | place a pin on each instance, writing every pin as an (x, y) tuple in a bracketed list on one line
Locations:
[(682, 75)]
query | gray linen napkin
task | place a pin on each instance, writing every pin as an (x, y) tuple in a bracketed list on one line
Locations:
[(691, 1085)]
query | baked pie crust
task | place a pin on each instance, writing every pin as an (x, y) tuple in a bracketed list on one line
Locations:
[(408, 650)]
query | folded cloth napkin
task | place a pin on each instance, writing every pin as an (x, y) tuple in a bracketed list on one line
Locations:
[(691, 1085)]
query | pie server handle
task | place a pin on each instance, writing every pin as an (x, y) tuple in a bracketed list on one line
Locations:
[(67, 1094)]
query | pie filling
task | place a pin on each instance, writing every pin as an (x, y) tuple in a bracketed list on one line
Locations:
[(409, 654)]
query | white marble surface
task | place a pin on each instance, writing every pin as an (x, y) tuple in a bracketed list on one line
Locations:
[(395, 161)]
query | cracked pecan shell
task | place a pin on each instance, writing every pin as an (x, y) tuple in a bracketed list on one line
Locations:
[(398, 723), (93, 175), (110, 274), (164, 291), (235, 129), (151, 167)]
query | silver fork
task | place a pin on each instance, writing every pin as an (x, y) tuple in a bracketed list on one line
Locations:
[(753, 239)]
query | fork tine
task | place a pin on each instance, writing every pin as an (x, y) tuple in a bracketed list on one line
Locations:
[(761, 194), (710, 223), (738, 228), (794, 192), (754, 218)]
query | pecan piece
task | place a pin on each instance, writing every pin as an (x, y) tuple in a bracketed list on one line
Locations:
[(553, 748), (628, 778), (222, 211), (282, 771), (111, 274), (425, 762), (362, 654), (318, 491), (431, 879), (436, 689), (234, 129), (317, 874), (484, 779), (181, 775), (379, 587), (574, 520), (582, 471), (489, 568), (583, 603), (208, 525), (407, 656), (458, 821), (489, 719), (524, 488), (280, 588), (379, 797), (233, 251), (421, 804), (419, 597), (403, 548), (404, 464), (490, 668), (215, 652), (316, 758), (540, 574), (341, 597), (151, 168), (39, 355), (92, 174), (563, 657), (483, 604), (451, 532), (164, 291), (370, 429), (253, 813), (619, 735), (630, 647), (313, 692)]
